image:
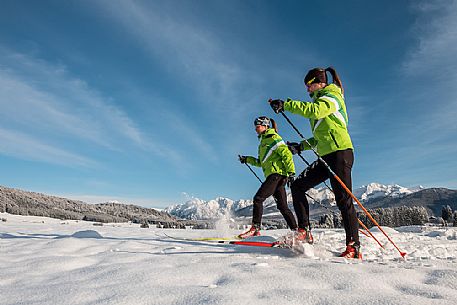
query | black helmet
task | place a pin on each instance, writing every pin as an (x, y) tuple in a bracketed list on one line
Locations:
[(262, 120)]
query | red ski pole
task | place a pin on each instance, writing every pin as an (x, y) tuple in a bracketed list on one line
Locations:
[(369, 232), (343, 185), (360, 222)]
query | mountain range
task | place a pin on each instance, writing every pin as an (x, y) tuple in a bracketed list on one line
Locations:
[(372, 195)]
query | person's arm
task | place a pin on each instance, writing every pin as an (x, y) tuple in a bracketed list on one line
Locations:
[(318, 109), (253, 161), (312, 141)]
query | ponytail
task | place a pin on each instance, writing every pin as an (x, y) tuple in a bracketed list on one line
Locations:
[(336, 78), (274, 125)]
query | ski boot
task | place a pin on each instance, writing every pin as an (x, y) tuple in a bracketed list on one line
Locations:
[(253, 231), (352, 251), (304, 235)]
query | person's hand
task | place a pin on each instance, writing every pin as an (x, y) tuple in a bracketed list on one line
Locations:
[(243, 159), (276, 105), (294, 147), (290, 179)]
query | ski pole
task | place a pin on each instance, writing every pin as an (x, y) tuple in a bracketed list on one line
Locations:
[(403, 254), (369, 232), (360, 222), (252, 171), (260, 180), (307, 163), (321, 204)]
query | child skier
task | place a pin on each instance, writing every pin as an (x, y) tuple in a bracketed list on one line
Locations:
[(278, 167)]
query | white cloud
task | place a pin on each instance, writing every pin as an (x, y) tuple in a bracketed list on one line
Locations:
[(45, 100), (190, 51), (225, 79), (431, 67), (186, 131), (436, 29), (20, 145), (34, 91)]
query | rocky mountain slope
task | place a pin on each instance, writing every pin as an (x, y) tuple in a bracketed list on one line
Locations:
[(432, 199)]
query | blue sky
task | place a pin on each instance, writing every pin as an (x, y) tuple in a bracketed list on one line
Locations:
[(148, 102)]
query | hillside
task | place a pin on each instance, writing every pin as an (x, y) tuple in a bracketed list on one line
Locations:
[(15, 201), (432, 199)]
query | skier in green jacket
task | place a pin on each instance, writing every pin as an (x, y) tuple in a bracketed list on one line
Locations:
[(278, 167), (328, 119)]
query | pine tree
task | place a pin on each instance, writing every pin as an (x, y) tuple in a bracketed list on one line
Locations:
[(446, 214)]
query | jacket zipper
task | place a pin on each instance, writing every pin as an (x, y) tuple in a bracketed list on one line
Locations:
[(334, 140), (274, 167)]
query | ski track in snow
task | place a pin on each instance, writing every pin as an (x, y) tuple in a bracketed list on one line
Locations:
[(48, 261)]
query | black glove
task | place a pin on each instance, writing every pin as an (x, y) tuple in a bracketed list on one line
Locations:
[(243, 159), (290, 179), (295, 148), (277, 105)]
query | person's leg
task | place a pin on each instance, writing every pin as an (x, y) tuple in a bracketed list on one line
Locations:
[(281, 203), (341, 163), (267, 189), (310, 177)]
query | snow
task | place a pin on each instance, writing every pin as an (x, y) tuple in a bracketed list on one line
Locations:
[(48, 261), (376, 190), (196, 208)]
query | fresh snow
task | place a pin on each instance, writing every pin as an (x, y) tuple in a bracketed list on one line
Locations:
[(48, 261)]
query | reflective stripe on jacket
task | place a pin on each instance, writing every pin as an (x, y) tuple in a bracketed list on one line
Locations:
[(274, 155), (328, 118)]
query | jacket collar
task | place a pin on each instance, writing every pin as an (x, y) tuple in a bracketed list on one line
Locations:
[(329, 88), (267, 133)]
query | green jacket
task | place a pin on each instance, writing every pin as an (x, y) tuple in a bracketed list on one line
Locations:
[(274, 155), (328, 118)]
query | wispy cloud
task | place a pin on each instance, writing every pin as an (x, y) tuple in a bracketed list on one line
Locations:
[(186, 131), (432, 68), (187, 49), (197, 56), (16, 144), (436, 30), (34, 91), (46, 101)]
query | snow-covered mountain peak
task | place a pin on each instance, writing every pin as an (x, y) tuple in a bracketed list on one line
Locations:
[(376, 190), (195, 208)]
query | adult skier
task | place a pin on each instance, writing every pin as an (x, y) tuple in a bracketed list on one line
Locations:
[(278, 167), (328, 118)]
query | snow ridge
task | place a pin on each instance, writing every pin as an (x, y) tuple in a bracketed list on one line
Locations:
[(199, 209)]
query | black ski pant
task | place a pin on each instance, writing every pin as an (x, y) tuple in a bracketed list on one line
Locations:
[(341, 163), (273, 185)]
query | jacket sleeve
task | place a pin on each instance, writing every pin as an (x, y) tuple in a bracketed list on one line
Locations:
[(253, 161), (305, 146), (318, 109), (286, 157)]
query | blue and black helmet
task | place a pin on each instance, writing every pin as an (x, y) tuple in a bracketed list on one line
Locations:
[(262, 120)]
